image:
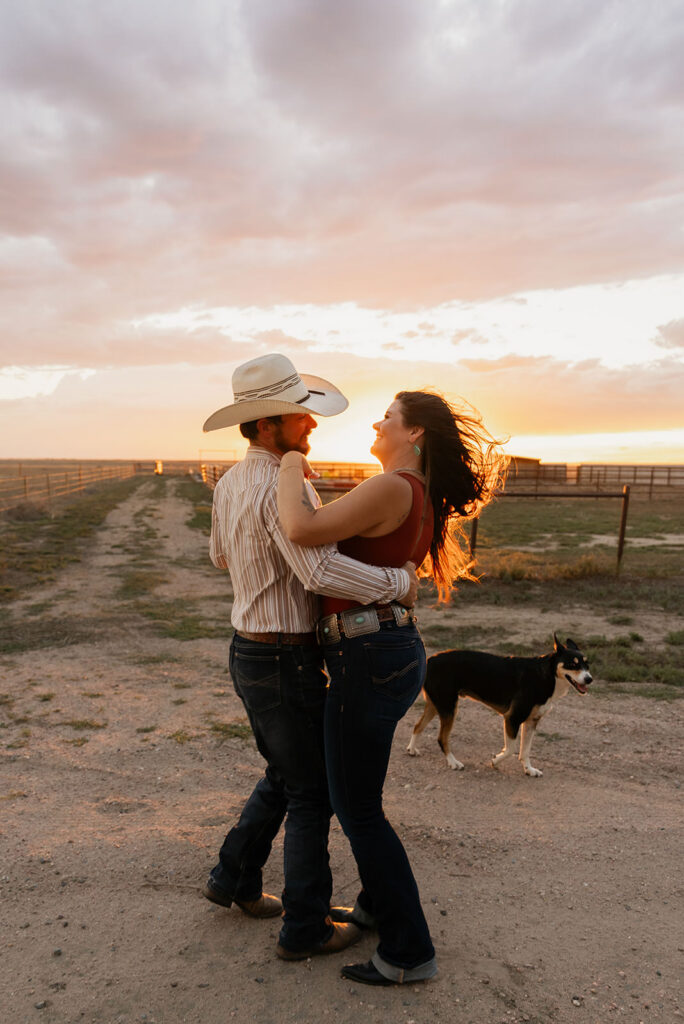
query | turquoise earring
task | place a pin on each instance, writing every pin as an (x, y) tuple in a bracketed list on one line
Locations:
[(417, 449)]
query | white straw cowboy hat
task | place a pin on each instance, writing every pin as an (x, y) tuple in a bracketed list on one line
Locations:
[(269, 386)]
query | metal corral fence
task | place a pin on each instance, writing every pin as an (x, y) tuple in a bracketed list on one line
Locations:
[(332, 476), (636, 476), (44, 483), (623, 494), (523, 474), (533, 473)]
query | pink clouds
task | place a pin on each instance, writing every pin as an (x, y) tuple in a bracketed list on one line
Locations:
[(396, 152), (397, 155)]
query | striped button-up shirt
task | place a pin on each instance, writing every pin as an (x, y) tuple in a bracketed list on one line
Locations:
[(275, 582)]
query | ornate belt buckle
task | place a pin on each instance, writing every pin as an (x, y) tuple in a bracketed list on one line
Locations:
[(402, 616), (328, 630), (359, 621)]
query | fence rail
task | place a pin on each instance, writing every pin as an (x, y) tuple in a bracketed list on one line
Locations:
[(45, 487), (643, 477)]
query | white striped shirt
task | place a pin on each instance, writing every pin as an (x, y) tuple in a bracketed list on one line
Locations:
[(275, 582)]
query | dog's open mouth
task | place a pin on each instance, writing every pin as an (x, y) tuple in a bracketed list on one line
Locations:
[(579, 686)]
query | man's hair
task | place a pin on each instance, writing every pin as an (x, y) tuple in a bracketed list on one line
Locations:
[(250, 430)]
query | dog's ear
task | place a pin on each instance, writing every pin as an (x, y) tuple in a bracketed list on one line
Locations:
[(556, 642), (571, 643)]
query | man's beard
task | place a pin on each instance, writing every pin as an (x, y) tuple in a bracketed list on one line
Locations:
[(284, 446)]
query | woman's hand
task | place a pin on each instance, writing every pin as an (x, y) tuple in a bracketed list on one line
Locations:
[(295, 460)]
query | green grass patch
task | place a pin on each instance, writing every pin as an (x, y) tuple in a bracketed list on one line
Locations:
[(85, 723), (64, 632), (146, 728), (198, 496), (238, 730), (32, 552), (628, 659), (513, 522), (546, 538), (456, 636), (621, 594), (38, 608), (136, 583), (171, 619), (181, 736), (154, 659), (675, 638)]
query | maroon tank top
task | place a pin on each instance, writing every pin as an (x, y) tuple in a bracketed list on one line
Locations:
[(392, 549)]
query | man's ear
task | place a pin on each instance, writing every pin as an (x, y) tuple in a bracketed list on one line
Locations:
[(265, 426)]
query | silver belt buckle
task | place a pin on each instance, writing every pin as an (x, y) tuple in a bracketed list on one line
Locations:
[(359, 621), (328, 630), (402, 616)]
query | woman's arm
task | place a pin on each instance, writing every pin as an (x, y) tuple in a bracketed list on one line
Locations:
[(377, 506)]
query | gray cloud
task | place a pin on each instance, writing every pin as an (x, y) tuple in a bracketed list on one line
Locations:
[(671, 335)]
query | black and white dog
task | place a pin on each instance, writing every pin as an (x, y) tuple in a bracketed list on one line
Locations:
[(520, 689)]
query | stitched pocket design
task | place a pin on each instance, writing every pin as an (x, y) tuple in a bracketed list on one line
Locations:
[(257, 679)]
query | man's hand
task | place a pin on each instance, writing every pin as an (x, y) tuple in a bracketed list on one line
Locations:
[(409, 598)]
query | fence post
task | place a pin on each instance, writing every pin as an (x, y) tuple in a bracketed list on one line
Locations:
[(623, 525), (473, 536)]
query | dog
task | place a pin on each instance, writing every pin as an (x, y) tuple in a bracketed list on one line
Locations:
[(519, 689)]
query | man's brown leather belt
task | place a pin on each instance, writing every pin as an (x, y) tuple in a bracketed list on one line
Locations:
[(308, 639)]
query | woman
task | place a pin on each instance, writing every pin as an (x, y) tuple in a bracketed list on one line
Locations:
[(437, 466)]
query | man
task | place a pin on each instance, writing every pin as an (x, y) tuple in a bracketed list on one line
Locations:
[(275, 662)]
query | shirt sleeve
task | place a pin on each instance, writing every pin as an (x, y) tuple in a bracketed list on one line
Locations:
[(216, 542), (323, 570)]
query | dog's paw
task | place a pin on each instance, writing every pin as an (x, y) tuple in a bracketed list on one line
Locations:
[(413, 749), (457, 766), (535, 773)]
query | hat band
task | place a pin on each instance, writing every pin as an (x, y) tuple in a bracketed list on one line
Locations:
[(308, 395), (271, 390)]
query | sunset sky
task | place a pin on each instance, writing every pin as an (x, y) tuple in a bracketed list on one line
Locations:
[(483, 197)]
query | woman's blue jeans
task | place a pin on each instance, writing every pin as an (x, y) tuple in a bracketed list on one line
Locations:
[(374, 680)]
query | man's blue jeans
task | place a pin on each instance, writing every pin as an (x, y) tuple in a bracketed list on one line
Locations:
[(374, 680), (283, 688)]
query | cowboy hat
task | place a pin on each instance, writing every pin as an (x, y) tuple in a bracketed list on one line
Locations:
[(269, 386)]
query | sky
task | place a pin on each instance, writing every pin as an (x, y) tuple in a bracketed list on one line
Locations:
[(484, 198)]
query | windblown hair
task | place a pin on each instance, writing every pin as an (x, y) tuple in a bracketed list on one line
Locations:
[(463, 465)]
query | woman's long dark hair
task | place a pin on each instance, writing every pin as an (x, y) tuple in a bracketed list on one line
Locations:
[(463, 467)]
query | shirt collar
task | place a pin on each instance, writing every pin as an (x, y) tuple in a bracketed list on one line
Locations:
[(263, 454)]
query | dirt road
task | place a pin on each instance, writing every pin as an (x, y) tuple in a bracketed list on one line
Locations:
[(124, 757)]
